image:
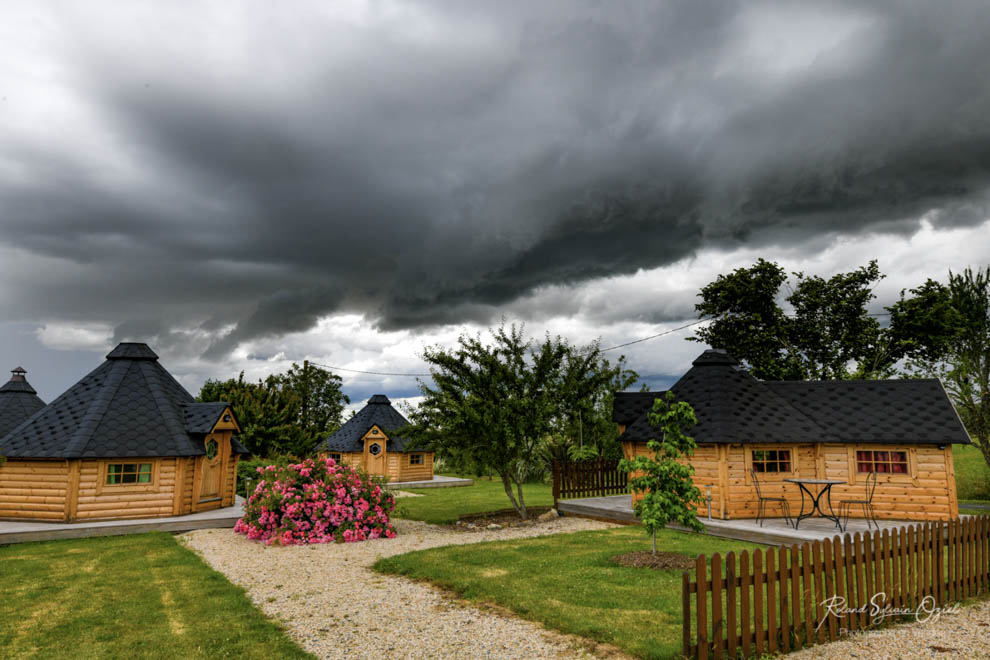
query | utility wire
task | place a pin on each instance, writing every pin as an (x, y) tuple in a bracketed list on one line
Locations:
[(373, 373), (604, 350)]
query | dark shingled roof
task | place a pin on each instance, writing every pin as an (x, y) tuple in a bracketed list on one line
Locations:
[(129, 406), (18, 401), (734, 407), (379, 412)]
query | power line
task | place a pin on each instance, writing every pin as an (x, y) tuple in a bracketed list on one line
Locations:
[(659, 334), (604, 350), (372, 373), (610, 348)]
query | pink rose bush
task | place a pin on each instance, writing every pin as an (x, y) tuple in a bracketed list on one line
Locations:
[(316, 501)]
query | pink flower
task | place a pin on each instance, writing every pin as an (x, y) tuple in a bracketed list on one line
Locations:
[(316, 502)]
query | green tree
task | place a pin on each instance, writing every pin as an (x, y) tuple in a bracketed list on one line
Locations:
[(321, 401), (286, 413), (494, 405), (267, 414), (748, 322), (831, 334), (665, 478), (964, 367), (968, 377)]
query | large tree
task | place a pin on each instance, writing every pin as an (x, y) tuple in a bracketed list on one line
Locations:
[(829, 333), (964, 366), (494, 404), (968, 376), (285, 413)]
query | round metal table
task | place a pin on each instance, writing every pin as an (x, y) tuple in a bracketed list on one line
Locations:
[(826, 490)]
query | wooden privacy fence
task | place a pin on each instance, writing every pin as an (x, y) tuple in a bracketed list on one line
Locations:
[(595, 477), (788, 598)]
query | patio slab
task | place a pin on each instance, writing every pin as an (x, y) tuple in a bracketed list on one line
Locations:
[(437, 481), (774, 531), (24, 531)]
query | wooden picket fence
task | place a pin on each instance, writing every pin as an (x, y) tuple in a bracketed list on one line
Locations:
[(790, 597), (596, 477)]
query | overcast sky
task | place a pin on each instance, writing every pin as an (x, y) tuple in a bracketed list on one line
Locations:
[(243, 185)]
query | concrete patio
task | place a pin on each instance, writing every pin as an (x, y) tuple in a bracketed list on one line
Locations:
[(22, 532), (775, 531), (438, 481)]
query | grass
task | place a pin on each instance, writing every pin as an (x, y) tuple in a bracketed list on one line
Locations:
[(567, 582), (972, 473), (142, 596), (444, 505)]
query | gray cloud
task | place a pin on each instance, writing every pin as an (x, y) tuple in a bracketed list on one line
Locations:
[(242, 175)]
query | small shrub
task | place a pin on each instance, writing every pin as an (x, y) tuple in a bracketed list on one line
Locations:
[(316, 501), (248, 475)]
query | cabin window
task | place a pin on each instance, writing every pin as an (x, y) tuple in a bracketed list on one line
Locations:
[(335, 457), (415, 459), (888, 462), (772, 460), (128, 473)]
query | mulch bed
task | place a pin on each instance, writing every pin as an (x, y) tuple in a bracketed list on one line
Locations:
[(660, 562), (475, 522)]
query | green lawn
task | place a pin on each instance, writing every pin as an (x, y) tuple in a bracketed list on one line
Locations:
[(444, 505), (972, 473), (140, 596), (567, 582)]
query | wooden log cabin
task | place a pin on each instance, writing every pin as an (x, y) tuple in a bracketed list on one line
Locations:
[(126, 441), (368, 440), (18, 401), (901, 429)]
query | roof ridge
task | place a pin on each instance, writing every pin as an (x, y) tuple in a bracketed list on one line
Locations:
[(97, 408), (167, 412)]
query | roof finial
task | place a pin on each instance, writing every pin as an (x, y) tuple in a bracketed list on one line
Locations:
[(19, 373)]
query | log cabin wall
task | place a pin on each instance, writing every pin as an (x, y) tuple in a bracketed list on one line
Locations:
[(33, 489), (99, 501), (410, 472), (926, 492)]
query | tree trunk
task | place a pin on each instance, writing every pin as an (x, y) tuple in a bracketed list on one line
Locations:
[(507, 484), (654, 541), (522, 502)]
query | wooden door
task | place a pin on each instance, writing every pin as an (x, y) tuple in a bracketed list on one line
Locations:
[(212, 471), (374, 456)]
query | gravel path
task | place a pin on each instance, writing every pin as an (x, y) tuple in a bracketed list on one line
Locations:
[(962, 634), (335, 606)]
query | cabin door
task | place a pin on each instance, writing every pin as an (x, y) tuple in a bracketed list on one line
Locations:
[(209, 487), (374, 456)]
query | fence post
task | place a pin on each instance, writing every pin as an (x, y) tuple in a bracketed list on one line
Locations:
[(772, 632), (731, 629), (718, 624), (556, 482), (686, 614), (701, 607)]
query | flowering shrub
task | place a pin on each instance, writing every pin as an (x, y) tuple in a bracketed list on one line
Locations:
[(316, 501)]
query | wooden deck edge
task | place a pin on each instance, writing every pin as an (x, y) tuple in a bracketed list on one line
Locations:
[(115, 530), (400, 485), (763, 538), (596, 513), (614, 521)]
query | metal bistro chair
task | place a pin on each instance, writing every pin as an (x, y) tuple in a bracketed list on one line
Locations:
[(761, 507), (867, 504)]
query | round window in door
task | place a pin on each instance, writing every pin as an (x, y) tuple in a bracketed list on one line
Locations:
[(211, 450), (375, 449)]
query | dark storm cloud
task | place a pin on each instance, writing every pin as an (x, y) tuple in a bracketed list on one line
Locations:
[(433, 164)]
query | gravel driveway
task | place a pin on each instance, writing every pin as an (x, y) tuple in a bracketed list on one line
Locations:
[(335, 606), (963, 634)]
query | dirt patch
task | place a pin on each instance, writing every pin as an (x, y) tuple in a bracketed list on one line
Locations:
[(661, 561), (476, 522)]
